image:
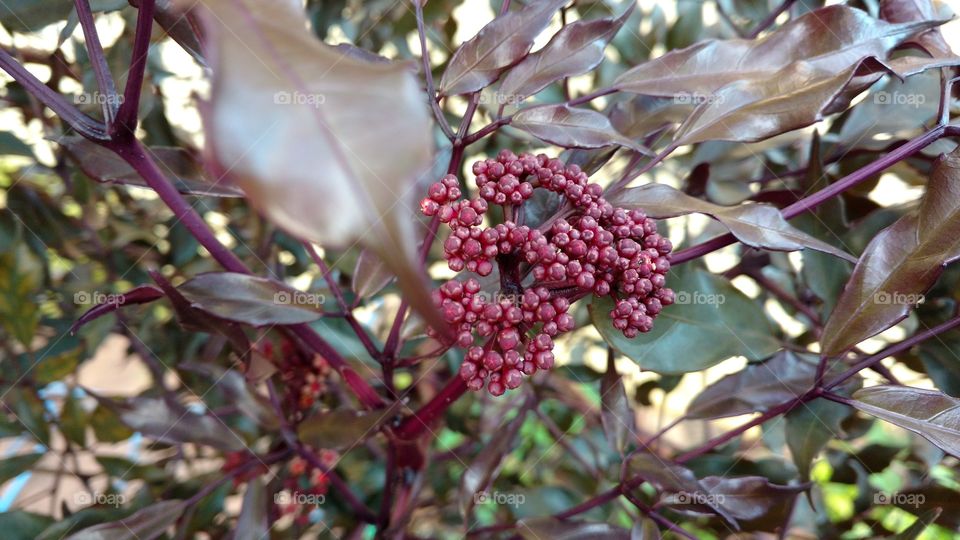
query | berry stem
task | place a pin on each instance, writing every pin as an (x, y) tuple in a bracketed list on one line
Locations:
[(413, 426)]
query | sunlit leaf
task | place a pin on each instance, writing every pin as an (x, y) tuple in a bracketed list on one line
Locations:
[(929, 413), (899, 264), (498, 45), (757, 225), (252, 300), (571, 127)]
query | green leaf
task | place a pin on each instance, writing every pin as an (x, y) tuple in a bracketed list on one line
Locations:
[(923, 521), (711, 322), (22, 525), (757, 387), (19, 281), (931, 414), (107, 426), (57, 360), (252, 300), (11, 145), (73, 420), (757, 225), (343, 428), (146, 524), (498, 45), (11, 467), (30, 414), (899, 264), (30, 15), (810, 427)]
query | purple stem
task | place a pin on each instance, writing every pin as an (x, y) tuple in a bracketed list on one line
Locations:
[(769, 19), (428, 73), (99, 61), (127, 114)]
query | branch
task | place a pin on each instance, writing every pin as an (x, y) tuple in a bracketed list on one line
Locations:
[(428, 73), (98, 59), (770, 19), (83, 124), (126, 122)]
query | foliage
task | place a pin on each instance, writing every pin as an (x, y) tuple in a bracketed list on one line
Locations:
[(267, 258)]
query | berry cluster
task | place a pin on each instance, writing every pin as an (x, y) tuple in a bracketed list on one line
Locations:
[(304, 375), (589, 247)]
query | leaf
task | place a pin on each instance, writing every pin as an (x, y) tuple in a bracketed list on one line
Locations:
[(161, 420), (343, 428), (73, 420), (186, 173), (253, 522), (810, 427), (677, 485), (900, 263), (19, 281), (239, 393), (923, 521), (829, 40), (179, 22), (498, 45), (57, 360), (485, 468), (902, 11), (30, 15), (571, 127), (145, 524), (370, 275), (326, 145), (616, 415), (13, 466), (11, 145), (759, 386), (931, 414), (107, 426), (757, 225), (22, 525), (750, 497), (251, 300), (577, 48), (137, 295), (645, 529), (711, 322), (555, 529)]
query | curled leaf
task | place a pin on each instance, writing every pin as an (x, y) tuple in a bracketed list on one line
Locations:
[(571, 127)]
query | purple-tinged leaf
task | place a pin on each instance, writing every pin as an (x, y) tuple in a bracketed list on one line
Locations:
[(252, 300), (162, 420), (500, 44), (905, 11), (899, 264), (326, 144), (182, 168), (253, 523), (757, 225), (832, 40), (931, 414), (750, 497), (645, 529), (677, 485), (555, 529), (145, 524), (370, 275), (616, 414), (570, 127), (344, 428), (576, 48), (239, 393), (137, 295), (180, 23), (756, 388), (484, 469)]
